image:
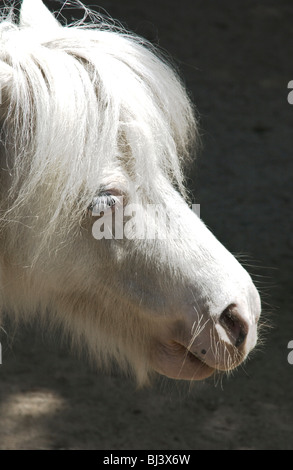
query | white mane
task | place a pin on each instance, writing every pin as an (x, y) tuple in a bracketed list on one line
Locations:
[(83, 102)]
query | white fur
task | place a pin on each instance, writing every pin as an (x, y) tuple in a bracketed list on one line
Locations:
[(86, 109)]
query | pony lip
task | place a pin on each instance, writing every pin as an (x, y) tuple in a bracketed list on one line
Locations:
[(175, 361)]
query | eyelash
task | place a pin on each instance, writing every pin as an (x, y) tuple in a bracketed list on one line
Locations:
[(102, 203)]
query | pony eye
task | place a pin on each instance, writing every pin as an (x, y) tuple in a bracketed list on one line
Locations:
[(102, 203)]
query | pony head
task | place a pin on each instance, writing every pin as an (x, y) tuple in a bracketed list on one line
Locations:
[(95, 231)]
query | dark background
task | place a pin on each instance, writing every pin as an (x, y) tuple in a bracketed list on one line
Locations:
[(236, 60)]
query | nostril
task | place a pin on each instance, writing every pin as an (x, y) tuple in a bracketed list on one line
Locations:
[(234, 326)]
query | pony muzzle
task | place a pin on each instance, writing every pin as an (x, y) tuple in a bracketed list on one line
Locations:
[(219, 344)]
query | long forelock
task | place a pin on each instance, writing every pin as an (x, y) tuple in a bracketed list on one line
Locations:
[(84, 100)]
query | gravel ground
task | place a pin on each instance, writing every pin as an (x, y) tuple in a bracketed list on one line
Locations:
[(236, 60)]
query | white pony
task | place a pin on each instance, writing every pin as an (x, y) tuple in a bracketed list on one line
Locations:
[(90, 114)]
